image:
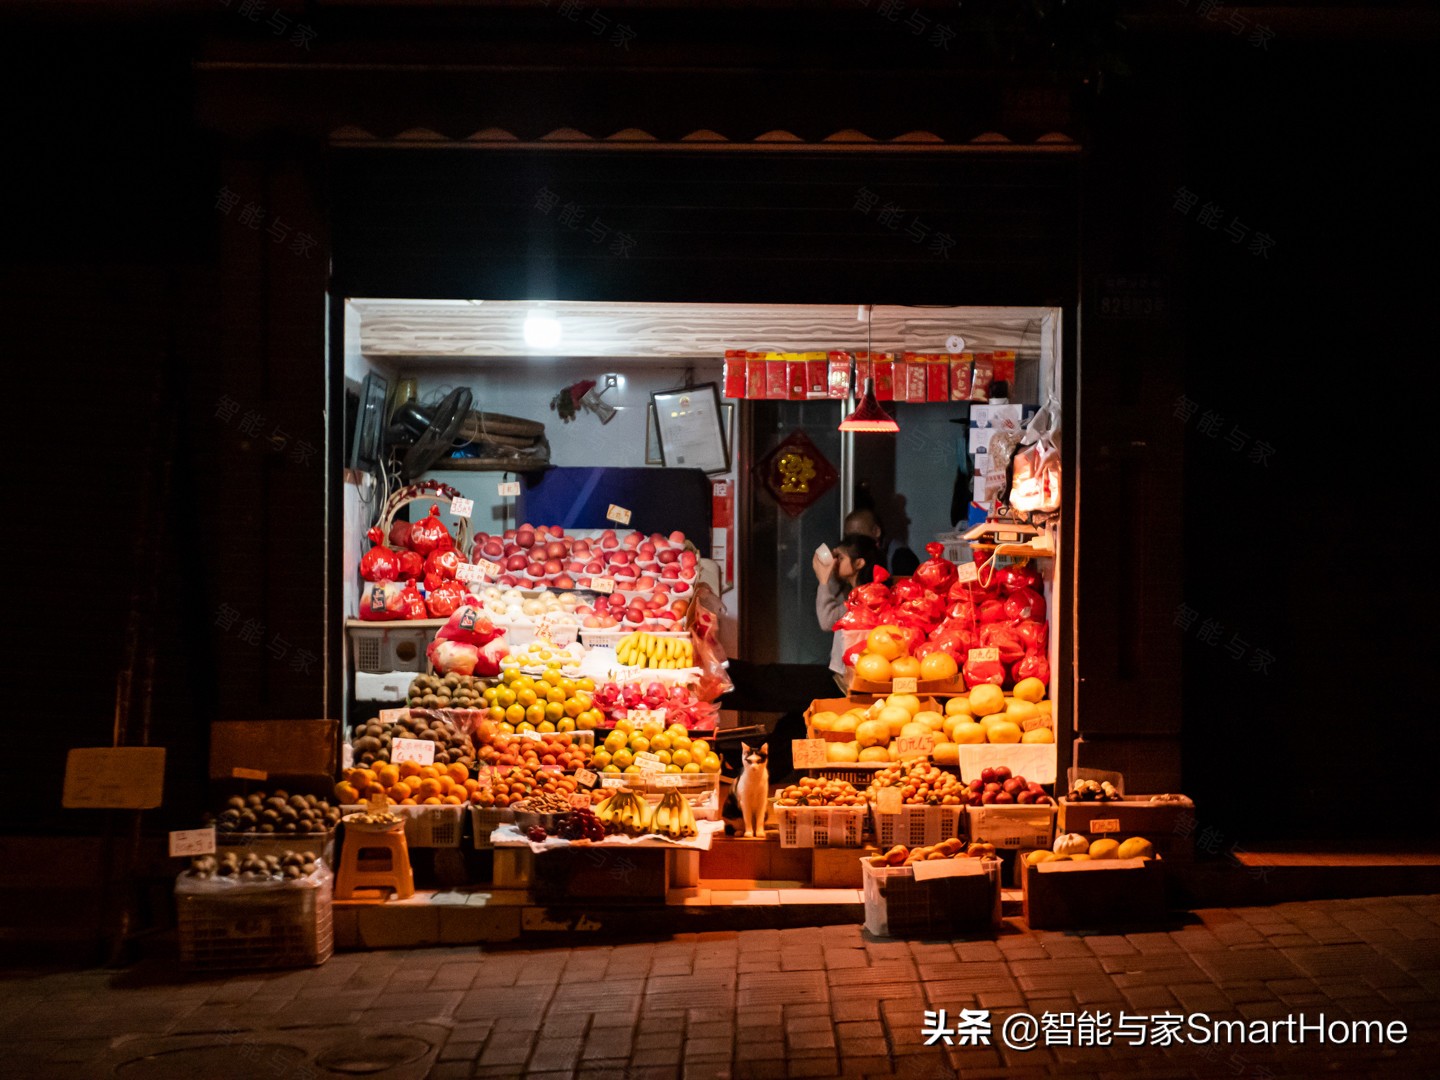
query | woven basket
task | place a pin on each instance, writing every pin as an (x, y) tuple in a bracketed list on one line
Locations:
[(427, 491)]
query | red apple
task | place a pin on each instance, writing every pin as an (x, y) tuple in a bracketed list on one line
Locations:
[(575, 566), (1002, 773), (626, 572), (508, 580), (678, 607), (677, 537), (525, 538), (647, 550), (615, 601), (622, 558), (557, 530), (494, 550), (509, 534), (564, 581), (594, 566), (555, 549), (536, 569), (516, 562), (634, 615), (669, 555), (1025, 797), (644, 584), (680, 588), (988, 797), (609, 540), (1004, 798), (670, 573), (1012, 786), (688, 559), (553, 566), (632, 540), (591, 622)]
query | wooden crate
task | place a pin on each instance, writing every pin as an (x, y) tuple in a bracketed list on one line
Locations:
[(1102, 892), (899, 905)]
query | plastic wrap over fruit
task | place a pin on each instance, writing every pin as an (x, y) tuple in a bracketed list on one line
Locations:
[(414, 602), (1004, 637), (444, 598), (379, 563), (1033, 665), (382, 601), (874, 595), (1017, 577), (453, 657), (955, 638), (992, 611), (936, 573), (469, 625), (430, 532), (412, 565), (984, 671), (400, 535), (963, 611), (1024, 603), (1035, 634), (442, 562)]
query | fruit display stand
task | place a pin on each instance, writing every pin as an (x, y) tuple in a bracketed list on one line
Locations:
[(640, 868), (1034, 760), (932, 899), (227, 925), (1100, 892), (1164, 824), (426, 826)]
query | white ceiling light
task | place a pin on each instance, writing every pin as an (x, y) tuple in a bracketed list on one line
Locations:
[(542, 329)]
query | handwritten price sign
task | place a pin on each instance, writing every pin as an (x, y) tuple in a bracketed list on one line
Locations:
[(192, 842), (580, 800), (585, 778), (648, 762), (618, 514), (462, 508), (603, 584), (984, 656), (477, 571), (966, 572), (808, 753), (1035, 722), (510, 489), (913, 746), (420, 751), (904, 685), (670, 779)]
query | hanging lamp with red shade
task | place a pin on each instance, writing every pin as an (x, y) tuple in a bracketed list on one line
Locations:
[(869, 415)]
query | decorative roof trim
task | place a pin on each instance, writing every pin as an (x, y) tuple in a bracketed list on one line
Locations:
[(848, 139)]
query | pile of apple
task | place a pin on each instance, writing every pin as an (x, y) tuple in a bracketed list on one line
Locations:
[(998, 787), (615, 700), (654, 576)]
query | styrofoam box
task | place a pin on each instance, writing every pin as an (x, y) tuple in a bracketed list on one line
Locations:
[(384, 647), (1014, 827), (393, 686), (918, 826), (820, 826)]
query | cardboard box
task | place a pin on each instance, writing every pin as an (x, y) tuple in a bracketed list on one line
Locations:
[(931, 688), (1013, 827), (1107, 892), (302, 752), (1166, 825)]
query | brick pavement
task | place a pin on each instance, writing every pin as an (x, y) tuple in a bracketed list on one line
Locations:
[(825, 1002)]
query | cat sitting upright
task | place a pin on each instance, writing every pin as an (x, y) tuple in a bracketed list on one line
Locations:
[(748, 803)]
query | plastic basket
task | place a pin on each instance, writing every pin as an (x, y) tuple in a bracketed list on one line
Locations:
[(820, 826), (858, 775), (383, 647), (919, 826), (1013, 827), (896, 905), (426, 826), (256, 926), (484, 820)]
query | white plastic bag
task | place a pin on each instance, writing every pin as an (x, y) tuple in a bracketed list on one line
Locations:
[(1035, 475)]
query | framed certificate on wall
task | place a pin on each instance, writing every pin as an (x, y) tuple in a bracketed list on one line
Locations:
[(691, 427)]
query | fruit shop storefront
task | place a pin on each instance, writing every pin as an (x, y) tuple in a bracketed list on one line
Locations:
[(532, 594)]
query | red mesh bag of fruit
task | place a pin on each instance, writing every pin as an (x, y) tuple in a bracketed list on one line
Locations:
[(379, 563), (936, 573), (430, 533)]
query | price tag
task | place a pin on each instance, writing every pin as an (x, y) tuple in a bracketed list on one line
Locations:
[(510, 489), (530, 733), (888, 800), (603, 584), (966, 572), (580, 800), (913, 746), (585, 778), (625, 675), (1099, 824), (391, 716), (905, 684), (347, 756), (613, 781), (556, 631), (420, 751), (193, 842), (670, 779), (647, 762), (1034, 722), (486, 776), (644, 716), (377, 804), (984, 656), (618, 513), (462, 508), (808, 753), (250, 774)]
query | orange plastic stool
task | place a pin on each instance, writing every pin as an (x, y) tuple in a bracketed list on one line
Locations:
[(354, 874)]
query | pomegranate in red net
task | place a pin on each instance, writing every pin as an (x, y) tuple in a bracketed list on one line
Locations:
[(936, 573), (379, 563), (430, 532), (412, 565)]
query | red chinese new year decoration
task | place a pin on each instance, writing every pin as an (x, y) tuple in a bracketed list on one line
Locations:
[(795, 473)]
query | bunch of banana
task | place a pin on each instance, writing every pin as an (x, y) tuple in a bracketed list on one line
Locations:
[(624, 812), (643, 649), (673, 817)]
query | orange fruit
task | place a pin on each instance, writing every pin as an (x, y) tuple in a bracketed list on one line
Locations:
[(408, 802), (358, 777), (458, 772), (429, 789), (409, 768), (938, 665), (388, 775), (430, 772), (886, 641), (433, 800), (347, 793), (399, 791), (452, 800)]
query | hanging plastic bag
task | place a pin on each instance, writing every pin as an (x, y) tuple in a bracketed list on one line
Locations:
[(1035, 467), (444, 598), (430, 532), (412, 565), (1022, 604), (1033, 665), (413, 601), (983, 671), (443, 563), (936, 573)]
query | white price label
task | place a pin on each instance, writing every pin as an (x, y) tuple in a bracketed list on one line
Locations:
[(603, 584), (580, 800), (250, 774), (1034, 722), (967, 572), (644, 716), (390, 716), (420, 751), (613, 781), (913, 746), (475, 571), (559, 632), (377, 804), (808, 753), (645, 761), (888, 800), (462, 508), (1099, 824), (670, 779), (510, 489), (984, 656), (531, 734), (618, 513), (624, 675), (585, 778), (193, 842), (905, 685)]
